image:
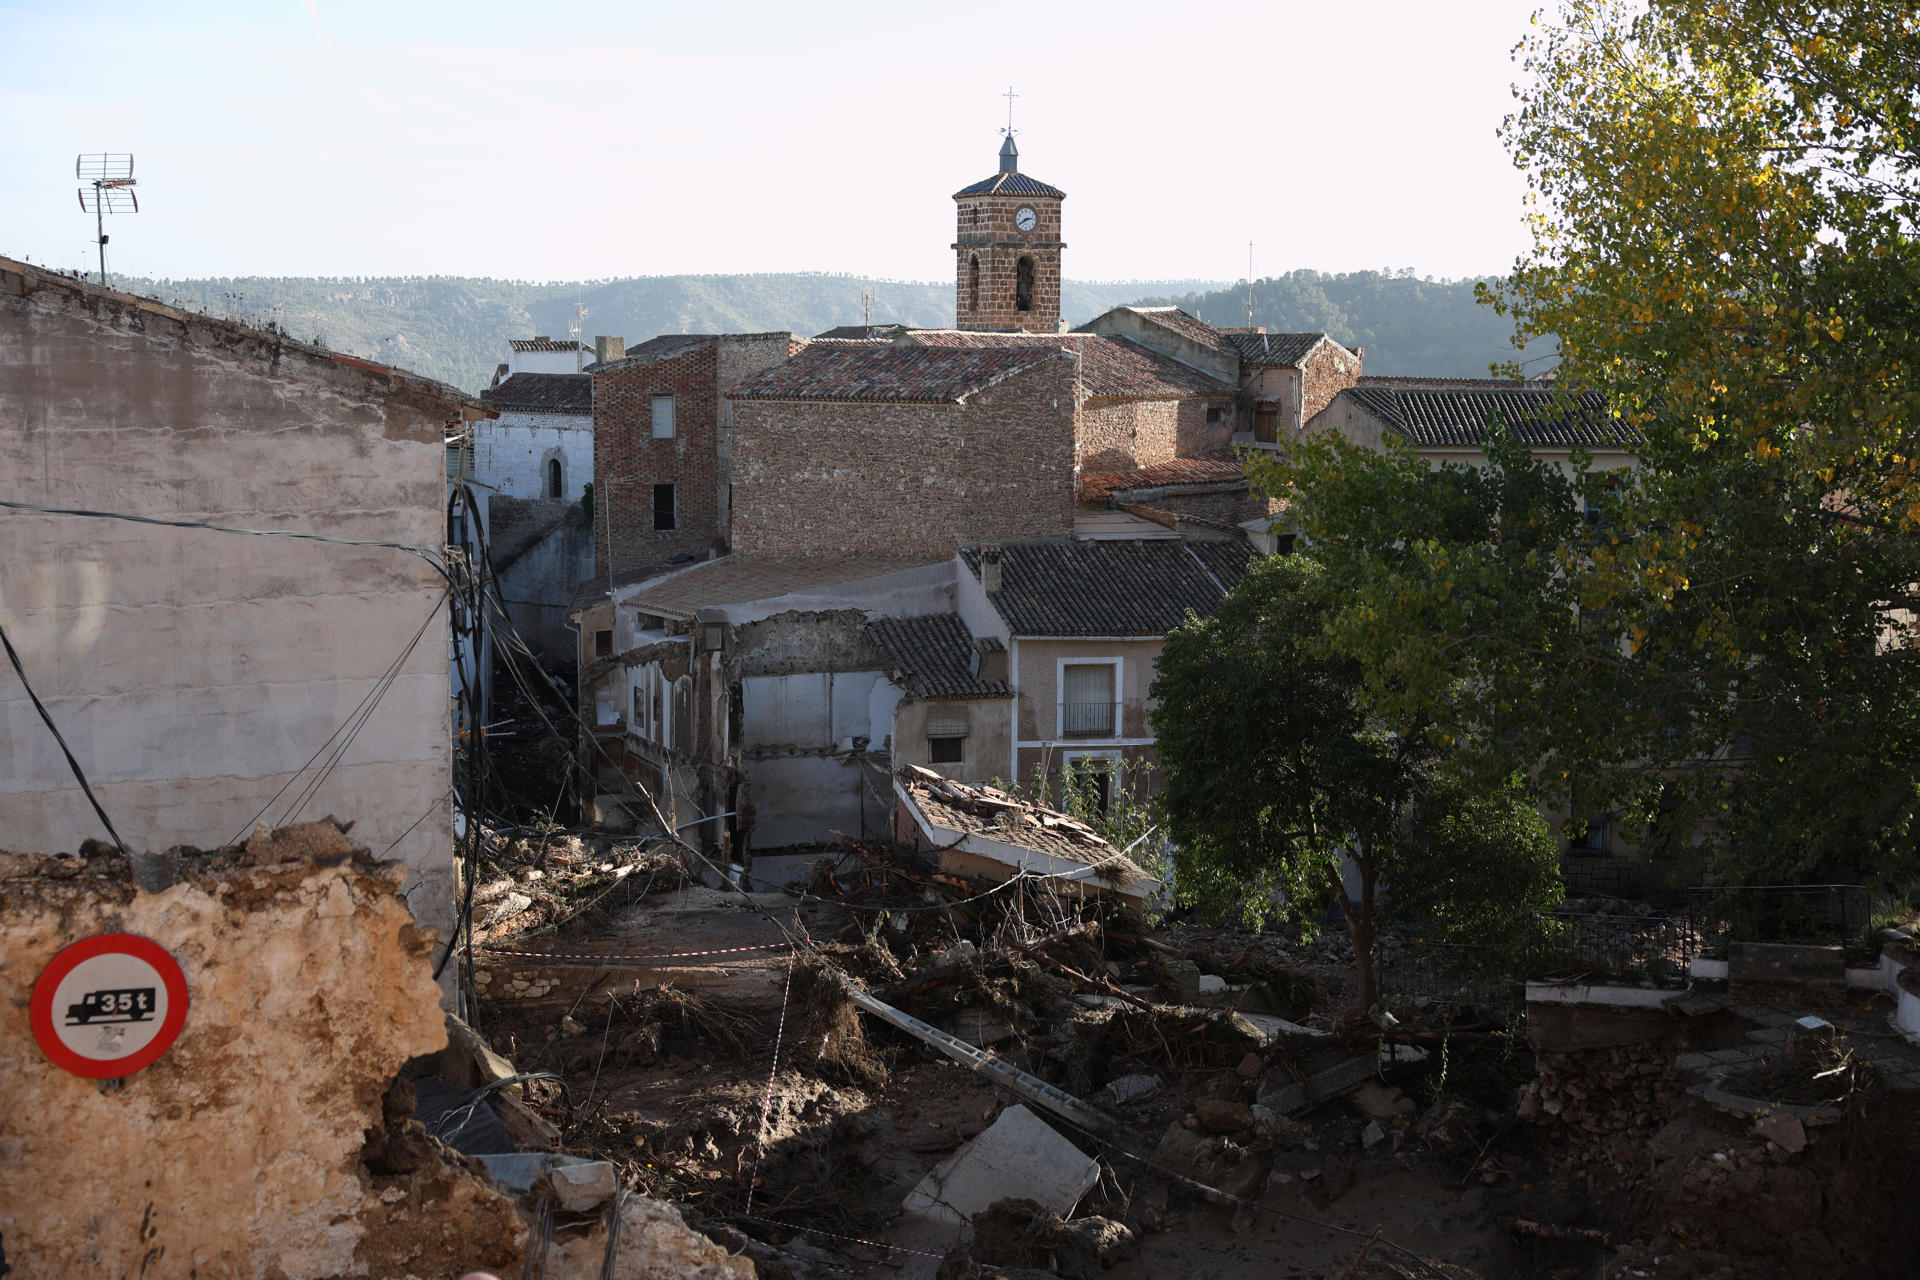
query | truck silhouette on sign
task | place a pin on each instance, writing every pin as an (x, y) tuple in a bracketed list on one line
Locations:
[(124, 1004)]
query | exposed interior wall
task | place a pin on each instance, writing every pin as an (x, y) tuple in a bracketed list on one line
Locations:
[(987, 748), (194, 673), (542, 552)]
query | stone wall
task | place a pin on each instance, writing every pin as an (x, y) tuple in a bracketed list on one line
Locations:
[(195, 674), (272, 1139), (1119, 435), (903, 478), (1327, 371)]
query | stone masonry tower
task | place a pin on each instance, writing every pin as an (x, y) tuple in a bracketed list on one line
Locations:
[(1008, 251)]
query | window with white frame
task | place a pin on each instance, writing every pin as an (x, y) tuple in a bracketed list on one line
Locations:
[(663, 417), (1089, 699)]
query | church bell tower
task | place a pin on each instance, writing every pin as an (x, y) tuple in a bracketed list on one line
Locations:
[(1007, 251)]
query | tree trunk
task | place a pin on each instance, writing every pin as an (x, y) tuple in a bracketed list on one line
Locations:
[(1360, 927)]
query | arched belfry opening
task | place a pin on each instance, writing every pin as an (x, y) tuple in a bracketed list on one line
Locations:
[(1023, 284), (973, 284)]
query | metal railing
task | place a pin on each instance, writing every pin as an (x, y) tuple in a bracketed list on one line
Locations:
[(1089, 719), (1820, 915)]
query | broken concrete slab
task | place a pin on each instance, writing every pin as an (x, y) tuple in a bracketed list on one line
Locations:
[(1131, 1088), (1019, 1155), (1380, 1102), (580, 1187), (1784, 1131)]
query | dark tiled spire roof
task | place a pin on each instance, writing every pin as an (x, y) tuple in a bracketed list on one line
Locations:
[(1445, 417), (1110, 588), (1010, 184)]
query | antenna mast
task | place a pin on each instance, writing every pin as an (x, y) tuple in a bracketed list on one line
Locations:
[(108, 176), (1249, 284), (574, 330), (866, 307)]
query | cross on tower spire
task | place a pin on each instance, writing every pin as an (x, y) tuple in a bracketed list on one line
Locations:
[(1009, 95)]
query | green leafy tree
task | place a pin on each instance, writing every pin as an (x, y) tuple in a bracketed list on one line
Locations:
[(1484, 868), (1723, 199), (1273, 772)]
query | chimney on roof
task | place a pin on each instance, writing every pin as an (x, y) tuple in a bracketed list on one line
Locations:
[(542, 337), (990, 568), (609, 348), (1009, 156)]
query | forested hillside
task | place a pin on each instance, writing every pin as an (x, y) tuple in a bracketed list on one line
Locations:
[(1407, 325), (455, 328)]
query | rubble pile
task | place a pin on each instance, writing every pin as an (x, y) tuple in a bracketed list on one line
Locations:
[(536, 880), (1618, 1095)]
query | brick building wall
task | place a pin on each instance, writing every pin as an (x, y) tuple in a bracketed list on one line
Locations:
[(697, 460), (902, 478), (986, 233), (628, 461)]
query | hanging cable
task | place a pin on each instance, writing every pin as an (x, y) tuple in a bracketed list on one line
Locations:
[(60, 738)]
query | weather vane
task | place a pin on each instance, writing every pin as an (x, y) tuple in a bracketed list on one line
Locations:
[(1009, 95)]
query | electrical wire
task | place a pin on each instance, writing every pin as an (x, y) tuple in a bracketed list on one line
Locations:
[(47, 718), (430, 555)]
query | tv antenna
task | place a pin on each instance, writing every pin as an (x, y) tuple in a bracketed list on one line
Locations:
[(1249, 284), (867, 296), (109, 187), (574, 331)]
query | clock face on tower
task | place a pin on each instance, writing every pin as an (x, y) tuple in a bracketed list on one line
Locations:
[(1026, 219)]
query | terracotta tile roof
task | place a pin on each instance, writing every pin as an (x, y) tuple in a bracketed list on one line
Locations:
[(932, 657), (737, 579), (547, 344), (1457, 417), (896, 371), (542, 393), (992, 814), (1010, 184), (1111, 368), (1110, 588), (1098, 485), (1274, 350)]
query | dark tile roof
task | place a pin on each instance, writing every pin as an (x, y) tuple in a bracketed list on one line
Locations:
[(662, 347), (1273, 350), (1443, 384), (1110, 367), (547, 344), (932, 657), (1110, 588), (1010, 184), (1096, 485), (542, 393), (1457, 417), (863, 331), (894, 371)]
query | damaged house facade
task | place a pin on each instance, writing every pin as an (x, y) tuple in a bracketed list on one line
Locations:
[(205, 681)]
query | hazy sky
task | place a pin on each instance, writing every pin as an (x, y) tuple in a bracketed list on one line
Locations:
[(561, 141)]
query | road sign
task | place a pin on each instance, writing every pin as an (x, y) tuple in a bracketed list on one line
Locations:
[(109, 1005)]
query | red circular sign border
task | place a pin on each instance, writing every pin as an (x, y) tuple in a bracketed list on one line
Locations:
[(70, 958)]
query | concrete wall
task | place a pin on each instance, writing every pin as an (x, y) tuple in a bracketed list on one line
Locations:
[(989, 740), (511, 455), (195, 673), (542, 552), (547, 361), (900, 478)]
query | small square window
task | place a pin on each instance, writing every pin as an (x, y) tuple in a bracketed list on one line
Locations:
[(603, 644), (663, 417), (663, 513), (1215, 415), (946, 750)]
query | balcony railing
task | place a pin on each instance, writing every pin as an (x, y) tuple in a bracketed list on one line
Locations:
[(1089, 719)]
